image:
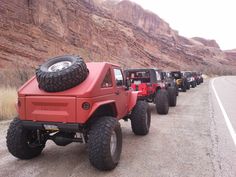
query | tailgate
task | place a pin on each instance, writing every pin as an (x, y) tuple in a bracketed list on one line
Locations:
[(50, 108)]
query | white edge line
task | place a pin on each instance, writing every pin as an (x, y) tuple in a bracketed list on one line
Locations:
[(228, 123)]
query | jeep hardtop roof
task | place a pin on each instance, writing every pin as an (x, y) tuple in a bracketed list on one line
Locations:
[(90, 87), (152, 74), (142, 69)]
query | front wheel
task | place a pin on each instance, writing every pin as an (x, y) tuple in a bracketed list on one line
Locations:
[(177, 90), (184, 88), (105, 143), (23, 143), (172, 96), (162, 102), (141, 118), (188, 86)]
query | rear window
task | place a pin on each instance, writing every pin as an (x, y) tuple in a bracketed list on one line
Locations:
[(138, 77), (188, 74), (107, 81), (176, 75)]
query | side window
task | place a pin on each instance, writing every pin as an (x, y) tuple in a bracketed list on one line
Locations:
[(158, 76), (118, 77), (107, 82)]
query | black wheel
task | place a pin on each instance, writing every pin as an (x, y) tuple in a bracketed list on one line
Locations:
[(162, 102), (198, 83), (105, 143), (141, 118), (184, 88), (61, 73), (193, 85), (21, 142), (172, 96), (177, 90), (188, 86)]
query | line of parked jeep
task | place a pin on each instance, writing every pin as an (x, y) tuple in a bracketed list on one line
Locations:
[(69, 101), (162, 87)]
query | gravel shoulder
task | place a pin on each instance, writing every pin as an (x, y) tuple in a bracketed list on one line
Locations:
[(182, 143)]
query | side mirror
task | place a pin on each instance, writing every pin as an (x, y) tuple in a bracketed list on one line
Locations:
[(127, 84)]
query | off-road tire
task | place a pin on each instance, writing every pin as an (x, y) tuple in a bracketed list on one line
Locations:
[(141, 118), (162, 102), (184, 89), (99, 143), (63, 79), (188, 86), (17, 141), (177, 91), (172, 96)]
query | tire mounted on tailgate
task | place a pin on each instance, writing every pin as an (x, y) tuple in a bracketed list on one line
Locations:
[(61, 73)]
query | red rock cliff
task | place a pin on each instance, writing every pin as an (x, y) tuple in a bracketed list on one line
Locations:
[(34, 30)]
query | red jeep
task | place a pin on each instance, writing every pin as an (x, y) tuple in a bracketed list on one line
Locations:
[(69, 101), (152, 87)]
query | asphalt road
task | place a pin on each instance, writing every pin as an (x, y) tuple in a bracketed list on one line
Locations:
[(193, 140)]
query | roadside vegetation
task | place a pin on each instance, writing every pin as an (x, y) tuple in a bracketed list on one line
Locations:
[(10, 81), (8, 99)]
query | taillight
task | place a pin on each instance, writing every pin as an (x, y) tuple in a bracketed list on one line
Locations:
[(86, 106)]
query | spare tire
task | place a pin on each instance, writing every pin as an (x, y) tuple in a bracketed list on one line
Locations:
[(61, 73)]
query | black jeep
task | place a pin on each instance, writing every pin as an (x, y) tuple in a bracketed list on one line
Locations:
[(180, 80), (170, 81), (190, 79)]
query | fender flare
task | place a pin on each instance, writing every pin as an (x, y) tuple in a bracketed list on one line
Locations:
[(98, 104), (133, 100)]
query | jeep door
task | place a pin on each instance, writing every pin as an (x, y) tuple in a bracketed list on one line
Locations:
[(121, 94)]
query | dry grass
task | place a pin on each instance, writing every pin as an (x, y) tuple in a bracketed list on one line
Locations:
[(8, 97)]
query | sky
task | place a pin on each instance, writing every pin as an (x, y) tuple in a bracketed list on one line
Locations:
[(210, 19)]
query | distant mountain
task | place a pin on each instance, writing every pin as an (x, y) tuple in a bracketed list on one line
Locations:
[(231, 55), (101, 30)]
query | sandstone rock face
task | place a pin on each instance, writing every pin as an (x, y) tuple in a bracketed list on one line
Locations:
[(208, 43), (134, 14), (231, 55), (98, 30)]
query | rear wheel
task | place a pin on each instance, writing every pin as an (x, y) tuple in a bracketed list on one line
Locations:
[(198, 82), (184, 88), (141, 118), (188, 86), (177, 90), (23, 143), (172, 96), (162, 102), (105, 143)]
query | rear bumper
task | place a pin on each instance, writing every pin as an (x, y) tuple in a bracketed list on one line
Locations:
[(65, 127)]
